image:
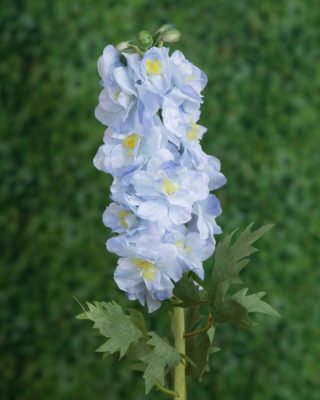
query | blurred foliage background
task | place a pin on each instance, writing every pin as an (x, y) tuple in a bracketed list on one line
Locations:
[(262, 110)]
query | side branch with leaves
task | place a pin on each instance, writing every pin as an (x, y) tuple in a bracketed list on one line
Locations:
[(127, 334)]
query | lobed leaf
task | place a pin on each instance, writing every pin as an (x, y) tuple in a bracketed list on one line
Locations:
[(112, 323), (198, 350), (253, 303), (162, 358), (128, 335), (232, 312), (138, 320), (230, 259), (187, 292)]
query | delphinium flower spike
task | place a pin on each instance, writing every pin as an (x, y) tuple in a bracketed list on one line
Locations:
[(162, 208), (163, 212)]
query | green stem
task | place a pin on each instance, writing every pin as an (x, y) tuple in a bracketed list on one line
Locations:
[(180, 346), (199, 331), (197, 279)]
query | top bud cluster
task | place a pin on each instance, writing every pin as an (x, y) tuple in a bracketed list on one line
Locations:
[(161, 206)]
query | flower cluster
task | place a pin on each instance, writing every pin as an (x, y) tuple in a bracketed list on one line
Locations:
[(161, 206)]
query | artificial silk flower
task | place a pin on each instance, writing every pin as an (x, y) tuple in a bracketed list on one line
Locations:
[(152, 70), (178, 109), (186, 76), (161, 209), (120, 219), (163, 214), (206, 212), (118, 100), (169, 193), (121, 153), (146, 272), (191, 249)]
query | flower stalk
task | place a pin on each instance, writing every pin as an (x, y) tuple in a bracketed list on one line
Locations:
[(180, 346)]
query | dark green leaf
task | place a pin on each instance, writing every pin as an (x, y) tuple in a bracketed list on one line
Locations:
[(232, 312), (236, 309), (188, 292), (198, 350), (230, 259), (191, 317)]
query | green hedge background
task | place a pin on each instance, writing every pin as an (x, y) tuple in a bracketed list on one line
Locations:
[(262, 110)]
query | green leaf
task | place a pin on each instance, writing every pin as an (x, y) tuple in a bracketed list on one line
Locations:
[(230, 259), (138, 350), (128, 335), (82, 316), (114, 324), (187, 292), (236, 309), (138, 320), (253, 303), (162, 358), (191, 317), (232, 312), (198, 350)]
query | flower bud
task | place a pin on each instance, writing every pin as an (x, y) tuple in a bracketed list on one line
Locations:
[(165, 28), (122, 46), (145, 39), (171, 36)]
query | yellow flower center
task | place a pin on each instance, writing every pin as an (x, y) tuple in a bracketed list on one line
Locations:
[(188, 250), (122, 218), (147, 268), (169, 187), (194, 131), (130, 142), (154, 67), (180, 245), (117, 93)]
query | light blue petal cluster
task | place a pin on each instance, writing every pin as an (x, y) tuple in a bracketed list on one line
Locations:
[(161, 208)]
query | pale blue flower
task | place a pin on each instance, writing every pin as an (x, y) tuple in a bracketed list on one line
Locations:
[(142, 280), (124, 152), (178, 109), (194, 157), (182, 104), (189, 136), (118, 100), (120, 219), (146, 272), (152, 70), (206, 212), (107, 63), (186, 76), (119, 154), (192, 250), (168, 191)]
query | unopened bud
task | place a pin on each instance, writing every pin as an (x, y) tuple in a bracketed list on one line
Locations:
[(145, 39), (165, 28), (122, 46), (171, 36)]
